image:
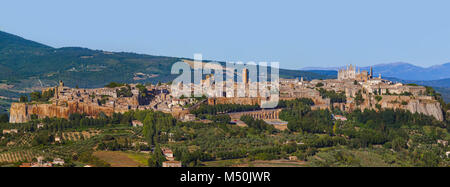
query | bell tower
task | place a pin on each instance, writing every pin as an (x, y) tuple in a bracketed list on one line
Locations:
[(371, 72)]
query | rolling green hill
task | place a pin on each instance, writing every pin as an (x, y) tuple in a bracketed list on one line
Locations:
[(24, 63)]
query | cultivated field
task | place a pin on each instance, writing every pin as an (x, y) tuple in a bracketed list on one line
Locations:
[(121, 159), (17, 156), (76, 136)]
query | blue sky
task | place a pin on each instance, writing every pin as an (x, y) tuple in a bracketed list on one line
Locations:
[(296, 33)]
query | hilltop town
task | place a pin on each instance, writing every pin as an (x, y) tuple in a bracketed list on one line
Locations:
[(350, 91), (224, 84), (358, 117)]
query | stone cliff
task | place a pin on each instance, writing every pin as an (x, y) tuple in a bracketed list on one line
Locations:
[(22, 112), (427, 108), (18, 113), (422, 105)]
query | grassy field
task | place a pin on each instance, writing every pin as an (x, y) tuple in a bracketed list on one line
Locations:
[(139, 157), (121, 159)]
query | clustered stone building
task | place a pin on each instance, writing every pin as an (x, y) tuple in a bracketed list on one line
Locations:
[(373, 93), (376, 93), (94, 102)]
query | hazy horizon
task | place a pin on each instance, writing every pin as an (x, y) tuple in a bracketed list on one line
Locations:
[(298, 34)]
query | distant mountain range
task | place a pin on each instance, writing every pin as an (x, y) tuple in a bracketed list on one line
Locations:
[(404, 71), (29, 65)]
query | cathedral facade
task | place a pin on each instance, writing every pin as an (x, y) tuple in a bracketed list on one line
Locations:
[(350, 73)]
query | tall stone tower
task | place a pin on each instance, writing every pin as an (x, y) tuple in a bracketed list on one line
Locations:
[(245, 76), (371, 72), (58, 89)]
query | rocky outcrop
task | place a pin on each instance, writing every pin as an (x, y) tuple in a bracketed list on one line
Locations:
[(422, 105), (22, 112), (18, 113), (427, 108)]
